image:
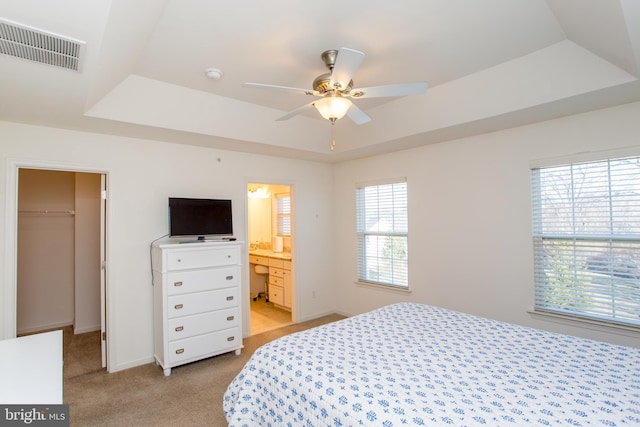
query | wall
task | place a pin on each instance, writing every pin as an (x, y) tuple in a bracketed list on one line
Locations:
[(259, 214), (469, 212), (142, 174), (470, 246), (261, 217)]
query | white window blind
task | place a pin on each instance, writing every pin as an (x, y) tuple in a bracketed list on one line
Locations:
[(282, 210), (382, 230), (586, 236)]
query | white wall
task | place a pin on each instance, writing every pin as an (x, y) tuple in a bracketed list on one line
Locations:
[(259, 212), (470, 246), (141, 176), (470, 234)]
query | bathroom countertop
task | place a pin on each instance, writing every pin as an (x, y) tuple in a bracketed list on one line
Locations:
[(270, 254)]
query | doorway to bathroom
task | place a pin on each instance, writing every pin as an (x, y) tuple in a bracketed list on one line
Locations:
[(271, 258)]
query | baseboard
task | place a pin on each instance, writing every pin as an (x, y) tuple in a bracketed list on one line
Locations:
[(316, 316), (86, 329), (342, 313), (134, 364), (43, 328)]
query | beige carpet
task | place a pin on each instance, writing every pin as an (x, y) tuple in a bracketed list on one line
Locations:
[(143, 396)]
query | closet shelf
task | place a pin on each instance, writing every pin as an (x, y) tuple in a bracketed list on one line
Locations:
[(47, 212)]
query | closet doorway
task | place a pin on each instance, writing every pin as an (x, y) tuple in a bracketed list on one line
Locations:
[(60, 281)]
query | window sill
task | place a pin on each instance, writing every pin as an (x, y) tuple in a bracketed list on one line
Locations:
[(619, 329), (386, 288)]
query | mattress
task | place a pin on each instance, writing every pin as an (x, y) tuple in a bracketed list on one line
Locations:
[(414, 364)]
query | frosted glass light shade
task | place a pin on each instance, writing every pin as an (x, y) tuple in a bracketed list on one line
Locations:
[(332, 107)]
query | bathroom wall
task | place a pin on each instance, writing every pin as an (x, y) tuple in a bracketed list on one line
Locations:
[(259, 220), (260, 216)]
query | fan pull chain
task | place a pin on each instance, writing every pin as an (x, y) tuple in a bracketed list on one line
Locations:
[(333, 139)]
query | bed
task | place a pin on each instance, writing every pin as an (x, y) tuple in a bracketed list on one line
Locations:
[(414, 364)]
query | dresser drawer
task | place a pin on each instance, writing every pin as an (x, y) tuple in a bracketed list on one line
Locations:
[(181, 282), (199, 302), (202, 345), (276, 263), (276, 271), (274, 280), (184, 259), (286, 265), (198, 324), (260, 260), (276, 294)]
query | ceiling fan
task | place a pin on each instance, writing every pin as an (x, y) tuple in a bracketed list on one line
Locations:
[(336, 87)]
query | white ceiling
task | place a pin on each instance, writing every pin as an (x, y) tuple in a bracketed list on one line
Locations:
[(490, 64)]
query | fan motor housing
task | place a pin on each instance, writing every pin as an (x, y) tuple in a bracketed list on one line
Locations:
[(322, 84)]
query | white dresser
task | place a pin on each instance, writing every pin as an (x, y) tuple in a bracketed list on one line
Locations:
[(197, 301)]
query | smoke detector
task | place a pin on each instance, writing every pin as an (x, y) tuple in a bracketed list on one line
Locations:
[(213, 73)]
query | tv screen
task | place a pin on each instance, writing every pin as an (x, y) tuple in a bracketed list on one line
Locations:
[(199, 217)]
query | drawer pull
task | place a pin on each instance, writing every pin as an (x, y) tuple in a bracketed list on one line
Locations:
[(231, 338), (230, 318), (177, 283), (180, 351), (230, 298), (179, 328), (178, 306), (229, 277)]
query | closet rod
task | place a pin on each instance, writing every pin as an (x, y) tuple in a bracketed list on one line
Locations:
[(46, 212)]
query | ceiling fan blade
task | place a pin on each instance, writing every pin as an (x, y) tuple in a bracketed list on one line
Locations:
[(296, 112), (390, 90), (290, 89), (357, 115), (347, 62)]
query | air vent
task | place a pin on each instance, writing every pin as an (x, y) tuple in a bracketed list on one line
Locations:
[(39, 46)]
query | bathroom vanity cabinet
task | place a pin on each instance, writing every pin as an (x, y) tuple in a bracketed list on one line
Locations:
[(279, 276)]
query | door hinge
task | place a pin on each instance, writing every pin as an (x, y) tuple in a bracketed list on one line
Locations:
[(103, 194), (104, 336)]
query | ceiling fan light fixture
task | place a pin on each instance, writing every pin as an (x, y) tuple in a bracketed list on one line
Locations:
[(332, 108)]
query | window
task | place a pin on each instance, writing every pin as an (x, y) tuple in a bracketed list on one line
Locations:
[(382, 227), (586, 236), (282, 214)]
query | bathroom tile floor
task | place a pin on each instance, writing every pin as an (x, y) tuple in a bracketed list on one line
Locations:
[(265, 316)]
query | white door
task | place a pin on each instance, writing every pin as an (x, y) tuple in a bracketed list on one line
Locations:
[(103, 269)]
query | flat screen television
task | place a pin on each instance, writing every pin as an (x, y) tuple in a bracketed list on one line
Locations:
[(200, 218)]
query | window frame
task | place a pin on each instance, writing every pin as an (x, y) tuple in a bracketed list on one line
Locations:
[(578, 239), (401, 233), (278, 216)]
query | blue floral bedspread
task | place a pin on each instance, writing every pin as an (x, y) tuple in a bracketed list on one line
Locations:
[(413, 364)]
